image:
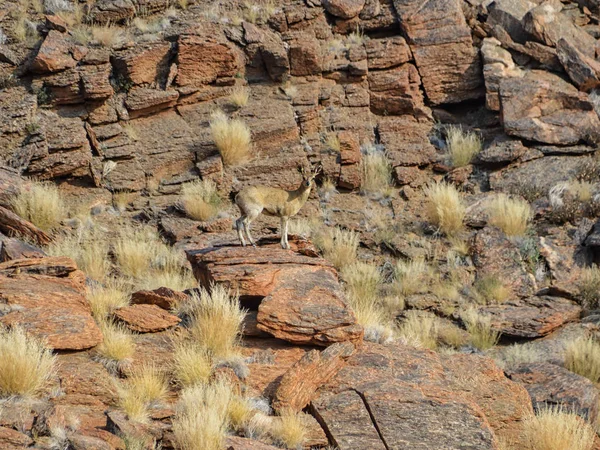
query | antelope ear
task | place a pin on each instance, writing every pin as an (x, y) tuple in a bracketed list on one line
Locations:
[(301, 169)]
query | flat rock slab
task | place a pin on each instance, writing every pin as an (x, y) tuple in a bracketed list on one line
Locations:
[(146, 318), (401, 397), (532, 317), (302, 301), (46, 296), (550, 385), (162, 297)]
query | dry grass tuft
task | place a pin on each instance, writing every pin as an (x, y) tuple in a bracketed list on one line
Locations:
[(445, 207), (480, 328), (491, 289), (105, 299), (362, 287), (518, 354), (289, 430), (202, 419), (239, 412), (27, 365), (338, 246), (583, 357), (327, 189), (357, 37), (40, 204), (419, 329), (232, 138), (376, 173), (134, 250), (332, 142), (511, 215), (108, 35), (217, 322), (555, 429), (88, 247), (200, 199), (412, 276), (239, 96), (145, 387), (588, 286), (117, 348), (462, 146), (193, 364)]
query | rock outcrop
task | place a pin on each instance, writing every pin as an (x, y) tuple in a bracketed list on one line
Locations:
[(300, 297)]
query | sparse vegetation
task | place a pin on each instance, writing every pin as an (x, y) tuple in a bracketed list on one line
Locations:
[(192, 364), (491, 289), (239, 96), (338, 246), (479, 326), (327, 189), (589, 286), (582, 356), (145, 387), (517, 354), (232, 138), (239, 412), (258, 11), (40, 204), (201, 422), (412, 276), (462, 146), (511, 215), (200, 199), (376, 173), (117, 348), (332, 142), (104, 299), (445, 207), (357, 37), (288, 430), (217, 322), (554, 429), (419, 329), (27, 365), (108, 35)]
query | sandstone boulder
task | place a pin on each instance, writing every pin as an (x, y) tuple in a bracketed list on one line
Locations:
[(443, 49), (54, 54), (46, 296), (583, 70), (300, 296), (344, 9), (350, 158), (143, 64), (162, 297), (552, 385), (509, 14), (201, 60), (532, 317), (396, 91), (146, 318), (542, 107), (360, 406), (11, 248), (387, 53)]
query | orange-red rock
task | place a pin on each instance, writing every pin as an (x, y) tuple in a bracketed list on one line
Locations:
[(146, 318), (46, 296), (163, 297)]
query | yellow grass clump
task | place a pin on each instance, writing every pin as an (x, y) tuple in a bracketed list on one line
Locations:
[(201, 421), (583, 357), (445, 207), (491, 289), (232, 138), (145, 387), (217, 322), (462, 146), (104, 299), (239, 412), (192, 364), (117, 348), (479, 326), (589, 286), (239, 96), (108, 35), (376, 173), (511, 215), (555, 429), (332, 142), (412, 276), (40, 204), (200, 199), (338, 246), (289, 430), (420, 330), (27, 365), (88, 247)]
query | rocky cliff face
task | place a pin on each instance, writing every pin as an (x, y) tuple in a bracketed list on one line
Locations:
[(112, 100)]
